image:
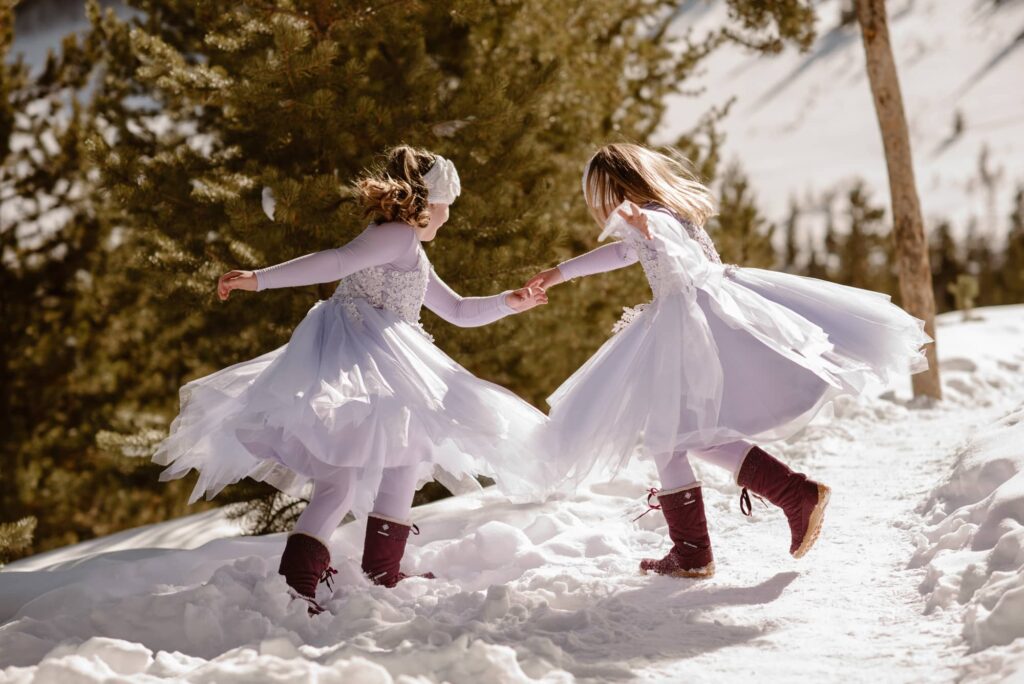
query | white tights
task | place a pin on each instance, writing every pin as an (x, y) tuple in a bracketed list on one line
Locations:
[(675, 470), (332, 499)]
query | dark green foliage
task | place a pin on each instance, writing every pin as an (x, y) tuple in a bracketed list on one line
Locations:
[(16, 538), (945, 261), (269, 513), (865, 245), (743, 236), (858, 252), (1011, 274), (791, 249)]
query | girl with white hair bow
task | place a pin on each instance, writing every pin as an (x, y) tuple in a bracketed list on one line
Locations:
[(359, 402)]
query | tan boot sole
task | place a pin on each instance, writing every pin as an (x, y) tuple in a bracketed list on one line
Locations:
[(814, 524), (697, 573)]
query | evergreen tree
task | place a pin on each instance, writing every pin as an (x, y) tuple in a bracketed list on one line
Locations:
[(741, 233), (982, 263), (861, 247), (58, 487), (1011, 271), (791, 251), (946, 266)]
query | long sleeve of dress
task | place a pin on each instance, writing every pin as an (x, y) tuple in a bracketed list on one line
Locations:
[(606, 258), (374, 246), (465, 312)]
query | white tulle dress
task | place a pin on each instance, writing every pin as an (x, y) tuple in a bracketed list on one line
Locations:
[(721, 353), (358, 388)]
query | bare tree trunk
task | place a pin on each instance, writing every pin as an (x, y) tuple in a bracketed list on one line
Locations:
[(915, 274)]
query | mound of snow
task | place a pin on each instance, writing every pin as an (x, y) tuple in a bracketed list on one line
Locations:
[(973, 548)]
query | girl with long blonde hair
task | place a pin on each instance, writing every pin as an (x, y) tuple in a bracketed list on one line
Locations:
[(721, 357)]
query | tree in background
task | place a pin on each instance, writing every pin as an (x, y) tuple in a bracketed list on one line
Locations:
[(1011, 274), (791, 247), (741, 233), (863, 259), (55, 239), (908, 227), (946, 265)]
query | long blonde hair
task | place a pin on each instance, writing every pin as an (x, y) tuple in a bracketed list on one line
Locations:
[(624, 171), (395, 191)]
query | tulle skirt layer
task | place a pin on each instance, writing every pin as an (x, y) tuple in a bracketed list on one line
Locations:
[(753, 355), (352, 393)]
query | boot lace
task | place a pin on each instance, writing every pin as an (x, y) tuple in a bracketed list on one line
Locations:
[(746, 508), (651, 493), (325, 577)]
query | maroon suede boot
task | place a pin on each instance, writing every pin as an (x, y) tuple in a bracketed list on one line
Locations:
[(383, 550), (305, 563), (802, 500), (690, 556)]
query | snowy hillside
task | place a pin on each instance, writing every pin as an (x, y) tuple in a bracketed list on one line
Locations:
[(919, 564), (803, 123)]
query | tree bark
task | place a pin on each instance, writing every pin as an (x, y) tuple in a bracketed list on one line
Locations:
[(914, 270)]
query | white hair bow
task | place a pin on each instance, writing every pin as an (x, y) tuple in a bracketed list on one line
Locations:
[(442, 181)]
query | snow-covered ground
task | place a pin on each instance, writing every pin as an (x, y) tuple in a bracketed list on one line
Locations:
[(805, 123), (918, 575)]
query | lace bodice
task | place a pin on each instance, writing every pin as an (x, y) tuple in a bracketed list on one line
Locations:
[(387, 287), (695, 233), (653, 261)]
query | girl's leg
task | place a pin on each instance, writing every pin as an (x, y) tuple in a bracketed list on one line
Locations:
[(802, 500), (682, 504), (331, 500), (394, 498), (388, 527), (306, 560), (728, 456), (675, 471)]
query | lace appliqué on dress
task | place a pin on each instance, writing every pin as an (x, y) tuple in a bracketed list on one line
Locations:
[(629, 314), (386, 287)]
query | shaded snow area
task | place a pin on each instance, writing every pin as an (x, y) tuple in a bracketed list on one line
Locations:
[(804, 123), (917, 576)]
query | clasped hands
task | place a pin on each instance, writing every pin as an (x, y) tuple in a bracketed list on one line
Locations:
[(552, 276)]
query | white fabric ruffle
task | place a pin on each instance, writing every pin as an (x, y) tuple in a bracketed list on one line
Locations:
[(358, 391)]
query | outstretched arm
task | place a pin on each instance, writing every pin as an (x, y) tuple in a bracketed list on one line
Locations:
[(374, 246), (606, 258), (471, 312)]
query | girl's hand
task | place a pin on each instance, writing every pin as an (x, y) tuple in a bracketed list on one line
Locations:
[(637, 219), (526, 298), (235, 280), (545, 279)]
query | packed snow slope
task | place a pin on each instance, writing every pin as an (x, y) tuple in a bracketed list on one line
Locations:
[(550, 591), (804, 123)]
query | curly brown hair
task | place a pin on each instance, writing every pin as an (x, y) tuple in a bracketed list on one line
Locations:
[(395, 191)]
